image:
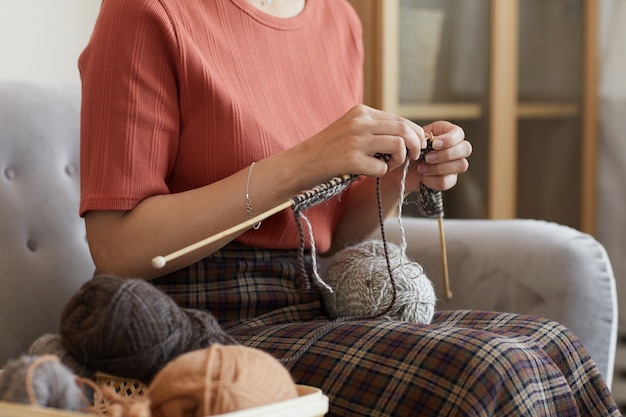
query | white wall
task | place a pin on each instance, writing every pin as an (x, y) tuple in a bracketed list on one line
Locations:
[(42, 39)]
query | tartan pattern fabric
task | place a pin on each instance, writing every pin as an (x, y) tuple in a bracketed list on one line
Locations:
[(465, 363)]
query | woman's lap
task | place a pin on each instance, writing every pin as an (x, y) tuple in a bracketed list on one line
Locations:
[(463, 363)]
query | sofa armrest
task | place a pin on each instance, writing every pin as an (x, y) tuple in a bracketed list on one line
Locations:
[(523, 266)]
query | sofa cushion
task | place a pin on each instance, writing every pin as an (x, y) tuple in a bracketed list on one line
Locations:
[(44, 256)]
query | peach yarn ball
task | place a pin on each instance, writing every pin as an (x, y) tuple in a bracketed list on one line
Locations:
[(219, 379)]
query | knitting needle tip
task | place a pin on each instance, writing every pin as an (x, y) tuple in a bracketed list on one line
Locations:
[(158, 262)]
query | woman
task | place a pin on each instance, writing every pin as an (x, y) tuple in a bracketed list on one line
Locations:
[(199, 114)]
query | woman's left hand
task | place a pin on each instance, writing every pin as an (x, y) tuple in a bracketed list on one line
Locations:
[(448, 158)]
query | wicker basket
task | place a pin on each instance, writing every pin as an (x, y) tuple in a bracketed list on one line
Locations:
[(311, 402), (128, 388)]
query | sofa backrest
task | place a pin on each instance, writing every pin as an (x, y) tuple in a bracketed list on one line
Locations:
[(44, 256)]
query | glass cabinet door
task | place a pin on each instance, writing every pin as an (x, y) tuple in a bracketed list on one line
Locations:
[(443, 74), (551, 110), (428, 60), (516, 75)]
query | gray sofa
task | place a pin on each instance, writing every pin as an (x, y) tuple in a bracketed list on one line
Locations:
[(523, 266)]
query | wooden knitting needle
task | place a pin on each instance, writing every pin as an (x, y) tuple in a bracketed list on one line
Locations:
[(159, 262), (444, 255), (444, 260), (442, 239)]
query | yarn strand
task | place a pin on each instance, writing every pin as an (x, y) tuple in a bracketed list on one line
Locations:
[(381, 219), (331, 325), (405, 172), (317, 279)]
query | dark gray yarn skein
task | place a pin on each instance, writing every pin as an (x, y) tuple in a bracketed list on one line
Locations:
[(130, 329), (53, 384)]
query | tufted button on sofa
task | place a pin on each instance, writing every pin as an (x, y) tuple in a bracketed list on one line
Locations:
[(521, 266)]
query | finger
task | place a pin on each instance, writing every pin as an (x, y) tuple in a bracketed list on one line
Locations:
[(391, 146), (453, 167), (440, 182), (411, 141), (446, 134), (419, 130), (389, 124), (458, 151)]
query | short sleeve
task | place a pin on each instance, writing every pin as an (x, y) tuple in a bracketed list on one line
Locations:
[(129, 114)]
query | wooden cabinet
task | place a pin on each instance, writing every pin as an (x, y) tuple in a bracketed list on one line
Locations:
[(518, 75)]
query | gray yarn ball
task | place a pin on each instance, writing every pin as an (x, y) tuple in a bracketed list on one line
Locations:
[(53, 384), (51, 344), (131, 329), (360, 280)]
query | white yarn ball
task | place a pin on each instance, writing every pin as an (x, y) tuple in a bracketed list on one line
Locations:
[(362, 287)]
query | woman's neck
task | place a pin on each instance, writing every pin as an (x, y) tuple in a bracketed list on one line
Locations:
[(279, 8)]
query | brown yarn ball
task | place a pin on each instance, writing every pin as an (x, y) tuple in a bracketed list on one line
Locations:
[(129, 328), (219, 379)]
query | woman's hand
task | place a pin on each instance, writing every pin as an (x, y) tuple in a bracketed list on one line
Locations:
[(447, 159), (350, 145), (439, 171)]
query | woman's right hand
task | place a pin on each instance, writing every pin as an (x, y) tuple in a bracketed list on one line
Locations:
[(350, 144)]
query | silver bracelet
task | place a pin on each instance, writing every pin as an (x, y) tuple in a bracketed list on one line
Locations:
[(248, 205)]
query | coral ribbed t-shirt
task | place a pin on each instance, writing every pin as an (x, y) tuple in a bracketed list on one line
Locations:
[(178, 94)]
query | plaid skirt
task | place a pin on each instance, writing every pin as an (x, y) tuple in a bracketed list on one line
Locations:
[(465, 363)]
